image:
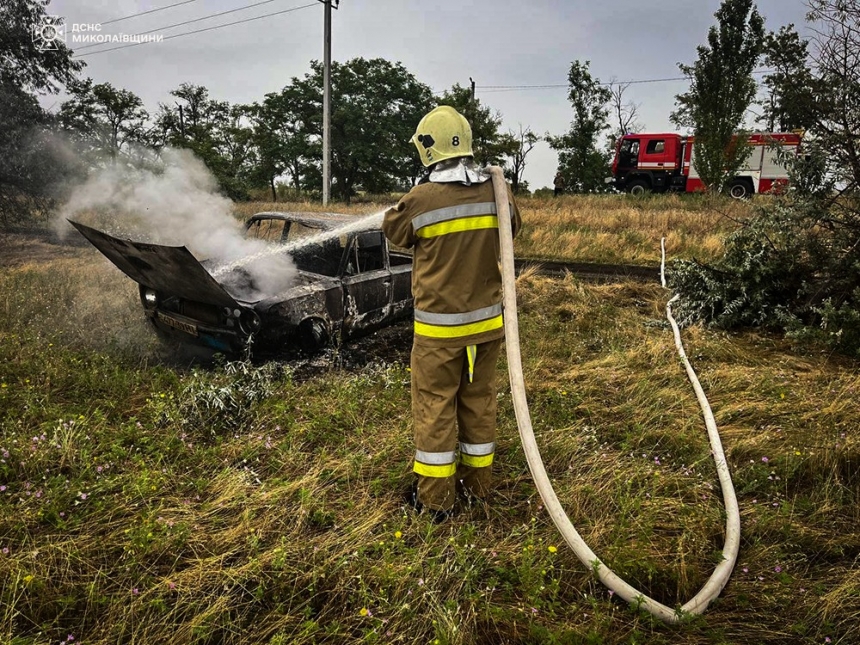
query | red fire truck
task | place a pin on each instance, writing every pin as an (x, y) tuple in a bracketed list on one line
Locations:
[(662, 162)]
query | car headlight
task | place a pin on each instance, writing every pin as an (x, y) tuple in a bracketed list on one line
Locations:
[(249, 321), (150, 298)]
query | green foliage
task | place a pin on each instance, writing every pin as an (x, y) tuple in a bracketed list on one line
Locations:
[(375, 106), (759, 279), (791, 95), (105, 121), (835, 60), (281, 145), (582, 163), (215, 131), (721, 89), (795, 265), (221, 400), (25, 64), (31, 165)]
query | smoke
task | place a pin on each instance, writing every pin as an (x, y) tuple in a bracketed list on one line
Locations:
[(177, 203)]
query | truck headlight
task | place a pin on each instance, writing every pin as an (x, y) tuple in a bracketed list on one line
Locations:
[(150, 298)]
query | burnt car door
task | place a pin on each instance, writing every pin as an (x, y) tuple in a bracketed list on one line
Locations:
[(367, 286)]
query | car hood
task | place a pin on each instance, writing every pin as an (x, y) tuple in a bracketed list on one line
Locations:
[(168, 269)]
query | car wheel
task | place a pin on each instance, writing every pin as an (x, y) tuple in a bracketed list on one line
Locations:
[(740, 189), (638, 187), (313, 335)]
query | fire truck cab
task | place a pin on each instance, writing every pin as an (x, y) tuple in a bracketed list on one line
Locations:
[(666, 162)]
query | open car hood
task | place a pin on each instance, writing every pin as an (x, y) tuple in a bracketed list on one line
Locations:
[(167, 269)]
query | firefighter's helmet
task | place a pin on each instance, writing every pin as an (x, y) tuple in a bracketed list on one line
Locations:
[(442, 134)]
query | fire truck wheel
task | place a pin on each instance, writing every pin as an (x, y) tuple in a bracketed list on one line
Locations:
[(638, 187), (740, 189)]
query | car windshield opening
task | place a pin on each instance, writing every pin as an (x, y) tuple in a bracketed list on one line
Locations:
[(323, 258)]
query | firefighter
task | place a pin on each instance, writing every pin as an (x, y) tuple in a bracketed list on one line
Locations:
[(449, 220), (558, 184)]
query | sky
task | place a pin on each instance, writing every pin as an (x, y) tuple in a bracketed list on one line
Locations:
[(517, 53)]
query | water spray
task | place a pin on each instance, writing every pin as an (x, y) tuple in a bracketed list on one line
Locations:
[(723, 570), (361, 224)]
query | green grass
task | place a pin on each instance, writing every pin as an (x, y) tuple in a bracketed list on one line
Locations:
[(148, 503)]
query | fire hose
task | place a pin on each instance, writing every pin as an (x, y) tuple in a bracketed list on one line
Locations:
[(714, 585)]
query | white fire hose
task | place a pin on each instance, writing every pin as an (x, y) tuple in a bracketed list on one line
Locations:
[(723, 570)]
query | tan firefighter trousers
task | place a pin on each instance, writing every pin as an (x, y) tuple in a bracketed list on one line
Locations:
[(454, 420)]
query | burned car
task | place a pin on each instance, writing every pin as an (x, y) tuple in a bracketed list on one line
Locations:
[(343, 283)]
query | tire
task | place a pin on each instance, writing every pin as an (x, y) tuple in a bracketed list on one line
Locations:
[(638, 187), (313, 335), (740, 189)]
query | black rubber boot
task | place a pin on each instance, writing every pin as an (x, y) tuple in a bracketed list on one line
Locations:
[(412, 501)]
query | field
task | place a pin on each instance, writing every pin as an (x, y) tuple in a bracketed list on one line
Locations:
[(146, 501)]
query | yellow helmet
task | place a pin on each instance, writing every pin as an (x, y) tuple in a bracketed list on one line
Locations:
[(443, 133)]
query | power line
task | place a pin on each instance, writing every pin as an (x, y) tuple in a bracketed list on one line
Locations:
[(143, 13), (516, 88), (188, 22), (198, 31)]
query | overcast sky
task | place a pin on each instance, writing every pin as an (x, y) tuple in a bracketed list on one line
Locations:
[(518, 53)]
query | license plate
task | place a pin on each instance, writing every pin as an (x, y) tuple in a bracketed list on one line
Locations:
[(178, 324)]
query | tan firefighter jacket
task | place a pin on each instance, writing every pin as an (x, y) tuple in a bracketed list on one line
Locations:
[(456, 280)]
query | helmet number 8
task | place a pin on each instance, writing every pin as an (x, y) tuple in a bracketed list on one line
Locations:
[(455, 141)]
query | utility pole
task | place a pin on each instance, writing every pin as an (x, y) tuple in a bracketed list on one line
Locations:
[(473, 88), (181, 121), (327, 100)]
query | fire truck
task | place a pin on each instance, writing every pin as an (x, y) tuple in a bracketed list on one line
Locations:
[(667, 162)]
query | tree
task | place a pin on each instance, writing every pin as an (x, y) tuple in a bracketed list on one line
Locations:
[(217, 132), (582, 164), (107, 121), (489, 145), (29, 63), (836, 68), (625, 114), (795, 265), (31, 166), (525, 142), (790, 88), (375, 106), (721, 90), (282, 144)]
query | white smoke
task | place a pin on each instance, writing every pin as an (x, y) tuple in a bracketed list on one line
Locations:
[(177, 204)]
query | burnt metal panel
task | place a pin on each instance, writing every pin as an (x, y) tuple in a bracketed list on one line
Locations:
[(168, 269)]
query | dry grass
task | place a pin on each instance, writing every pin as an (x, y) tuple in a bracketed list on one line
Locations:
[(136, 510), (605, 229), (625, 230)]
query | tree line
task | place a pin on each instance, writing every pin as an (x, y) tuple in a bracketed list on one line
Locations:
[(278, 139), (273, 142), (375, 105)]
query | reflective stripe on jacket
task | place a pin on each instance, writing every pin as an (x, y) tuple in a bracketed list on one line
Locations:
[(455, 219), (456, 281)]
